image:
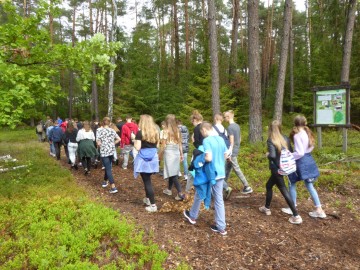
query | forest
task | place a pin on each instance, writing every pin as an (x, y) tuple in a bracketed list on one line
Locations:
[(75, 59)]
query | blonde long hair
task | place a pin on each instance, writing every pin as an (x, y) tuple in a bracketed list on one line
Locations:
[(171, 128), (149, 131), (301, 123), (276, 136)]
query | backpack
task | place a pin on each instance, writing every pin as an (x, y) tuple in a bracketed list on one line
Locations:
[(184, 138), (39, 128), (223, 135), (287, 164)]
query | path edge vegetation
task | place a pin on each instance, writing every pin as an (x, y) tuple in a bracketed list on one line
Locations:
[(47, 221)]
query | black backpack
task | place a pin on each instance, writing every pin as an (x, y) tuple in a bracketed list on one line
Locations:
[(223, 135)]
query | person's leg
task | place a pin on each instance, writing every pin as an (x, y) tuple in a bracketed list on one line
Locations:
[(84, 162), (282, 187), (195, 208), (175, 181), (189, 182), (107, 162), (217, 192), (126, 153), (170, 182), (228, 168), (313, 193), (88, 163), (238, 172), (72, 151), (269, 192), (57, 149), (185, 164), (292, 190), (39, 136), (149, 191)]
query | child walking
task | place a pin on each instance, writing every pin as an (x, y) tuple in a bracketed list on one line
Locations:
[(275, 142), (215, 152)]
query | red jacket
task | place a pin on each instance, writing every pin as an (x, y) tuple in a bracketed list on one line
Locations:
[(126, 131)]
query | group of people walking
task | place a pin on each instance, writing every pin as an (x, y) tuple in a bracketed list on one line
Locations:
[(214, 157)]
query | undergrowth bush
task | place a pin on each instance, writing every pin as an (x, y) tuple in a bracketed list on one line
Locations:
[(48, 222)]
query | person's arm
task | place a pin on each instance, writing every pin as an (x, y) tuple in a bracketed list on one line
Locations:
[(271, 155), (137, 145), (180, 148), (207, 151), (117, 139)]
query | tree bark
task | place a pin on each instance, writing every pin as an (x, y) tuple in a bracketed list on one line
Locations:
[(291, 63), (187, 36), (234, 40), (255, 115), (176, 44), (112, 60), (345, 70), (279, 99), (214, 57), (91, 19), (94, 95)]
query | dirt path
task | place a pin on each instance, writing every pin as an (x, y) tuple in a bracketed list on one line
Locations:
[(254, 241)]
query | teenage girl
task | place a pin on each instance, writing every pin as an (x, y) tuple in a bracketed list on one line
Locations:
[(275, 142)]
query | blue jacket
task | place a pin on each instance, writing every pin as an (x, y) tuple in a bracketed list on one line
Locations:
[(56, 134), (306, 168), (204, 176)]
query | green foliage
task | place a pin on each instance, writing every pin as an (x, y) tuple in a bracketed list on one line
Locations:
[(47, 222)]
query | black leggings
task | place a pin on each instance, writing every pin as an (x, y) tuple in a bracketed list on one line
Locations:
[(278, 180), (149, 191), (175, 180), (86, 163)]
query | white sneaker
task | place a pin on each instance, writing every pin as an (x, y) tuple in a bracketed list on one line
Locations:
[(185, 177), (151, 208), (295, 220), (146, 201), (287, 211), (167, 192), (316, 214)]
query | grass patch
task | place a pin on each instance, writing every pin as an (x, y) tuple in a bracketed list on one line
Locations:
[(48, 222)]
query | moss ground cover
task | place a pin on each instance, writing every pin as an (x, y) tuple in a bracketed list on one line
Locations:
[(48, 222)]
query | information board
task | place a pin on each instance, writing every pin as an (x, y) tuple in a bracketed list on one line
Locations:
[(332, 106)]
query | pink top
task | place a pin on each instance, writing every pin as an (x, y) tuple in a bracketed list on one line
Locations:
[(301, 144)]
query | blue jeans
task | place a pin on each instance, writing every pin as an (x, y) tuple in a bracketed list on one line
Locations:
[(310, 187), (107, 163), (217, 195)]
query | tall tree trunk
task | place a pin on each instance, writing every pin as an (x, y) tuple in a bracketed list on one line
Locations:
[(345, 70), (187, 35), (255, 115), (234, 40), (308, 39), (268, 51), (71, 79), (214, 57), (94, 95), (112, 60), (291, 63), (279, 99), (51, 22), (91, 19), (176, 44)]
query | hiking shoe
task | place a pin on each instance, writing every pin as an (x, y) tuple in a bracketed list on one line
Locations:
[(295, 220), (265, 210), (146, 201), (316, 214), (167, 192), (247, 190), (287, 211), (86, 172), (151, 208), (180, 197), (76, 167), (113, 190), (103, 168), (214, 228), (105, 184), (187, 215), (228, 193)]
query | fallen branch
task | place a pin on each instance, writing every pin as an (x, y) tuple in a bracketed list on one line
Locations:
[(13, 168)]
